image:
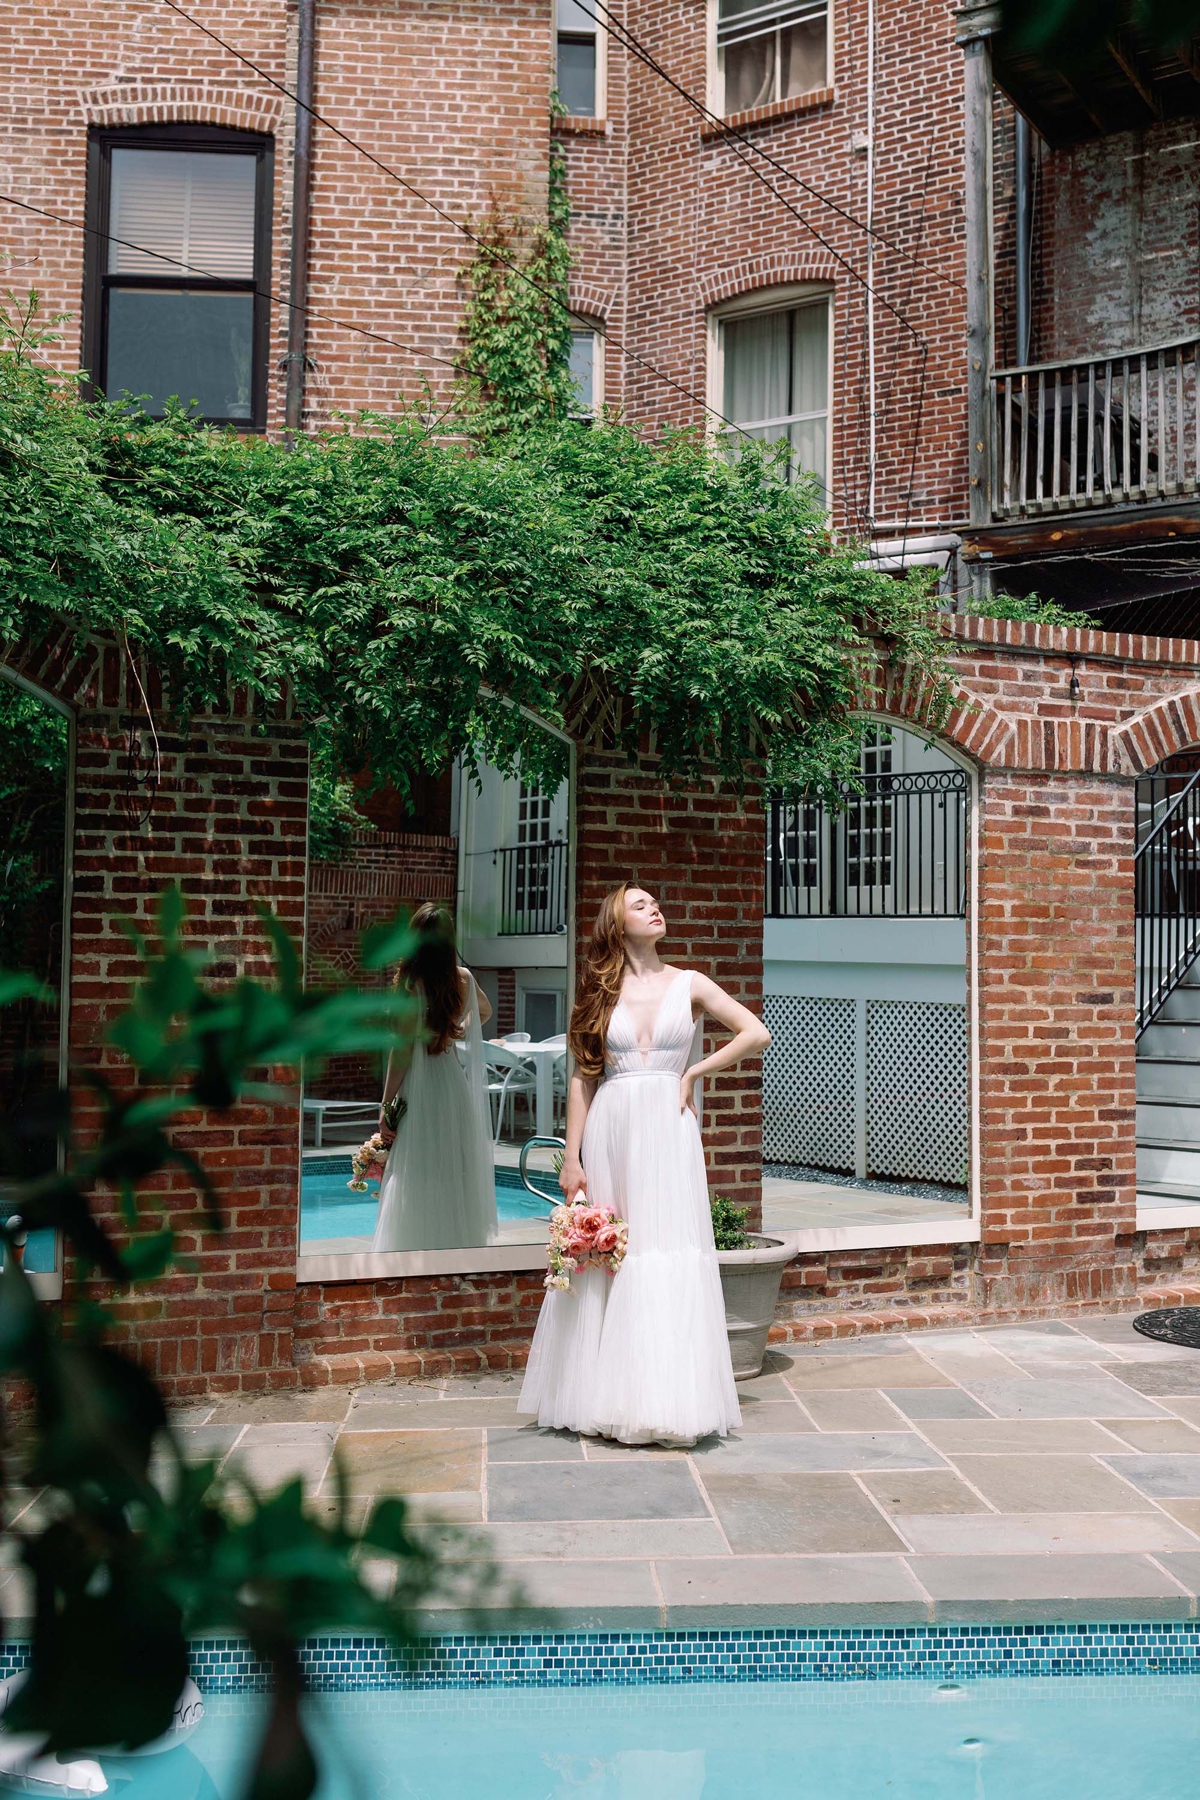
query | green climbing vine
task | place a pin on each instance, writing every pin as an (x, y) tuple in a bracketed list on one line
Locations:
[(517, 332)]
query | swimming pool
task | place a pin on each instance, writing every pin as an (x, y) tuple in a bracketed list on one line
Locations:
[(1112, 1737), (329, 1209)]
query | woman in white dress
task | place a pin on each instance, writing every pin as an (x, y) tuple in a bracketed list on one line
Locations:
[(641, 1356), (438, 1190)]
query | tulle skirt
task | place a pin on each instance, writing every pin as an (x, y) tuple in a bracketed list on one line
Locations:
[(641, 1356), (439, 1189)]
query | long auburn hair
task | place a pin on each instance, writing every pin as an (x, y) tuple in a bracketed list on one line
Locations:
[(599, 985), (430, 971)]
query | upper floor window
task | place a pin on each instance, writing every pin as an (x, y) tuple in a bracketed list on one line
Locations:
[(774, 367), (174, 306), (580, 62), (770, 50), (587, 372)]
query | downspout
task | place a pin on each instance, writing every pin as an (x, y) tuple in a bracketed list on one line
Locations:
[(301, 216), (872, 446), (1023, 240)]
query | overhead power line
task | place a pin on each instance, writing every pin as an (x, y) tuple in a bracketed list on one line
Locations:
[(623, 36), (442, 212), (264, 293)]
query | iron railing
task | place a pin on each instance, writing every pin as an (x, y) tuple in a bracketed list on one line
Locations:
[(1167, 886), (1097, 430), (896, 848), (533, 889)]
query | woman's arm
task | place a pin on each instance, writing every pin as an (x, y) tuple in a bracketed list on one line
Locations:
[(750, 1035), (481, 999), (573, 1181), (399, 1062)]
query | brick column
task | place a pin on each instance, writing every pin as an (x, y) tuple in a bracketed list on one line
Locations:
[(701, 855), (1057, 1040), (228, 823)]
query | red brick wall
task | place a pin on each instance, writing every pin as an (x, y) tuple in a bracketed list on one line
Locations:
[(1055, 1005), (227, 821), (701, 855), (667, 221), (452, 97)]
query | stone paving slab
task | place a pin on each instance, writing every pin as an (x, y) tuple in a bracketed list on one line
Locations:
[(1036, 1471)]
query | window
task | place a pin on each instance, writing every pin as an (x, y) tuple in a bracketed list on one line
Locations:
[(182, 222), (587, 372), (775, 380), (770, 50), (579, 59)]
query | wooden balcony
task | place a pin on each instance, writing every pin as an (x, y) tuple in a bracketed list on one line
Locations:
[(1096, 432)]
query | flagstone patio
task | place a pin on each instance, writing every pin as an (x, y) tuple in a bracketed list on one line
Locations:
[(1046, 1470)]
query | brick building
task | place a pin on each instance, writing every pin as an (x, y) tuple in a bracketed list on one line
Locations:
[(823, 225)]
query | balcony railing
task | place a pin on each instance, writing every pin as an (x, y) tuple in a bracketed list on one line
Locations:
[(1097, 431), (533, 889), (1167, 883), (897, 849)]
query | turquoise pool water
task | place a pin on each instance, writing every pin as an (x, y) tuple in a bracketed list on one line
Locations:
[(1092, 1738), (329, 1209)]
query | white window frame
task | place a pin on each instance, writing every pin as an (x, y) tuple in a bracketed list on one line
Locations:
[(601, 112), (580, 325), (769, 300), (716, 77)]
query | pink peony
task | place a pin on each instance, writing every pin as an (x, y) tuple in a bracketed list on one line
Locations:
[(605, 1240)]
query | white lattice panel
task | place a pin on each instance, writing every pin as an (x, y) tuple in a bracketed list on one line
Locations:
[(808, 1082), (917, 1108)]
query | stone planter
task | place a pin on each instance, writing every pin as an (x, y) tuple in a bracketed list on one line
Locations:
[(750, 1284)]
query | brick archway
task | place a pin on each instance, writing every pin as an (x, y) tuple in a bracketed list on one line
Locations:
[(1161, 730)]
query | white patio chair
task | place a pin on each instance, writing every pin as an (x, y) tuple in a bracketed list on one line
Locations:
[(508, 1075)]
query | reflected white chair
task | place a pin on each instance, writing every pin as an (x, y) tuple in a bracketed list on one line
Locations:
[(517, 1037), (507, 1076)]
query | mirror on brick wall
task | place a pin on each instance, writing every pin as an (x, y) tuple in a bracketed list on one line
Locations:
[(866, 1086), (492, 848), (35, 758)]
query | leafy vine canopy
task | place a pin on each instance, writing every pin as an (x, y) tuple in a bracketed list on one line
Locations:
[(417, 591)]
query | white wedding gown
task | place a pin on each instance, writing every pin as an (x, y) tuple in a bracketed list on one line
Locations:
[(439, 1188), (642, 1355)]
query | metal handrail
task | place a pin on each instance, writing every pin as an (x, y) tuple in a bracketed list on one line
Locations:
[(533, 888), (1176, 803), (1167, 901), (894, 848)]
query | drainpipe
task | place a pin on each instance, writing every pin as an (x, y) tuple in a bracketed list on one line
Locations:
[(301, 215), (872, 447), (1023, 239)]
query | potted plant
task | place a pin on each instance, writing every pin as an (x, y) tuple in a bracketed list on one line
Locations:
[(751, 1270)]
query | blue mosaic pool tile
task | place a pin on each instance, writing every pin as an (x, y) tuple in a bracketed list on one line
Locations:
[(800, 1653)]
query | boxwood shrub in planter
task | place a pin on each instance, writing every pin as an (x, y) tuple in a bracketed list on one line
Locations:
[(751, 1270)]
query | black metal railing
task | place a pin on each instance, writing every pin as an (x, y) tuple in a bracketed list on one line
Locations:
[(533, 889), (1167, 886), (896, 848)]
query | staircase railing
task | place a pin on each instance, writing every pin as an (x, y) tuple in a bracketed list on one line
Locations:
[(1167, 877)]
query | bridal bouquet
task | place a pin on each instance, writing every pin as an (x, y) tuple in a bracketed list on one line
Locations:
[(581, 1234), (368, 1163)]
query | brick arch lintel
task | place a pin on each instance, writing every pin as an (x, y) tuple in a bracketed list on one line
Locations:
[(1160, 730), (755, 272), (73, 667), (985, 735), (182, 103), (591, 300)]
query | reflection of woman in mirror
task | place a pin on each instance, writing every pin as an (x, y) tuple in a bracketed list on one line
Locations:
[(641, 1356), (438, 1190)]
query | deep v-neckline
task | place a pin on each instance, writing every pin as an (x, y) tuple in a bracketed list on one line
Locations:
[(658, 1012)]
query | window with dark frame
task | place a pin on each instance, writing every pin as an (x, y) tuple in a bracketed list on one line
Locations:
[(175, 300), (576, 57)]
